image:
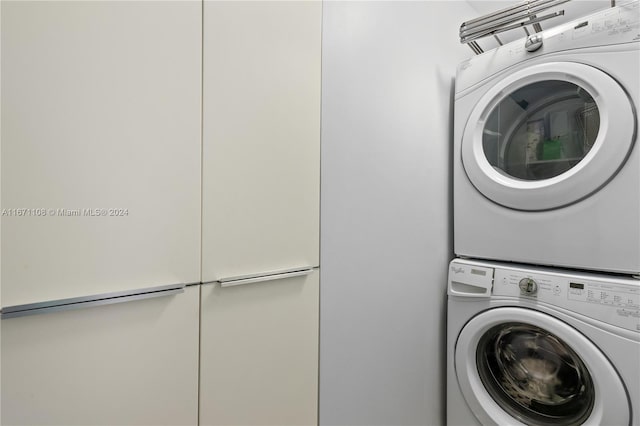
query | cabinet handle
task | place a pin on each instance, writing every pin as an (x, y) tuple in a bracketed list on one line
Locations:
[(267, 276), (88, 301)]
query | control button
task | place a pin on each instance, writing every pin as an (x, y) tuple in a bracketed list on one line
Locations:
[(533, 43), (557, 290), (528, 287)]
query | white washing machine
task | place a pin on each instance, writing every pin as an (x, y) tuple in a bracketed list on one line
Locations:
[(546, 155), (540, 346)]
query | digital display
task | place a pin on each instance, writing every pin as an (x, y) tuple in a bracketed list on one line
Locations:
[(576, 285), (478, 272)]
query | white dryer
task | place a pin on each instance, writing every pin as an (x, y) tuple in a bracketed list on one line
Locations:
[(546, 155), (539, 346)]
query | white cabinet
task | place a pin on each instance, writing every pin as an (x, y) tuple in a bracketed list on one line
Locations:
[(121, 364), (259, 353), (100, 147), (261, 180), (101, 175), (108, 186), (261, 137)]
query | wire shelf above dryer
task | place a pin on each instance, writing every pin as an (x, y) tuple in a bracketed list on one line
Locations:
[(515, 17)]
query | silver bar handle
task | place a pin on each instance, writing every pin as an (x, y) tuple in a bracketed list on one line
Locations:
[(89, 301), (264, 277)]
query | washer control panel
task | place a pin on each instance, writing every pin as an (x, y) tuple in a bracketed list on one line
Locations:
[(613, 300)]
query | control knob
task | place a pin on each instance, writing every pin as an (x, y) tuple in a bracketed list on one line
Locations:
[(533, 43), (528, 287)]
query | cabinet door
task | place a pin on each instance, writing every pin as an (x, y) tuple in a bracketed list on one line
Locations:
[(100, 147), (133, 363), (259, 353), (261, 137)]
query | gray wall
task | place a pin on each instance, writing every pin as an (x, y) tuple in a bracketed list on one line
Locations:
[(388, 71)]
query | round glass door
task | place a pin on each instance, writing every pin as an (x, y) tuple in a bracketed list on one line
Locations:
[(518, 366), (534, 375), (541, 130), (548, 136)]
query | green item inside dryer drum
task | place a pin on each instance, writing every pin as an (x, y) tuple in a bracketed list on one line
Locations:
[(552, 149)]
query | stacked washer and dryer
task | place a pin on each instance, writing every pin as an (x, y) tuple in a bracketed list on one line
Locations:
[(544, 297)]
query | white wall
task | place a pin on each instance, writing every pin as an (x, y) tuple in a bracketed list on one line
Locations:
[(388, 71)]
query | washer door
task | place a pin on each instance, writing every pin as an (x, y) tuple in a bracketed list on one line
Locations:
[(548, 136), (519, 366)]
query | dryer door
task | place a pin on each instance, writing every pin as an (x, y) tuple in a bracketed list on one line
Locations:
[(519, 366), (548, 136)]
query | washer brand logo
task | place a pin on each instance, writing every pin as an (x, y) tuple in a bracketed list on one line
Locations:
[(457, 270)]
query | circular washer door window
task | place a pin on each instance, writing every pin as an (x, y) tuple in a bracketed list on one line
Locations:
[(518, 366), (548, 136)]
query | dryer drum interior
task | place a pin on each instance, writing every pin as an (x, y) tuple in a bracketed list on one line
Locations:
[(541, 130), (534, 375)]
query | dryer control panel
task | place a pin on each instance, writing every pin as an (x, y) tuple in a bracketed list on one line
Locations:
[(612, 300)]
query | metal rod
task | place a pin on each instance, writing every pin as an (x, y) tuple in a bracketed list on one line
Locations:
[(476, 47), (526, 31), (613, 3), (465, 32), (507, 11), (497, 39), (511, 27), (495, 20)]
